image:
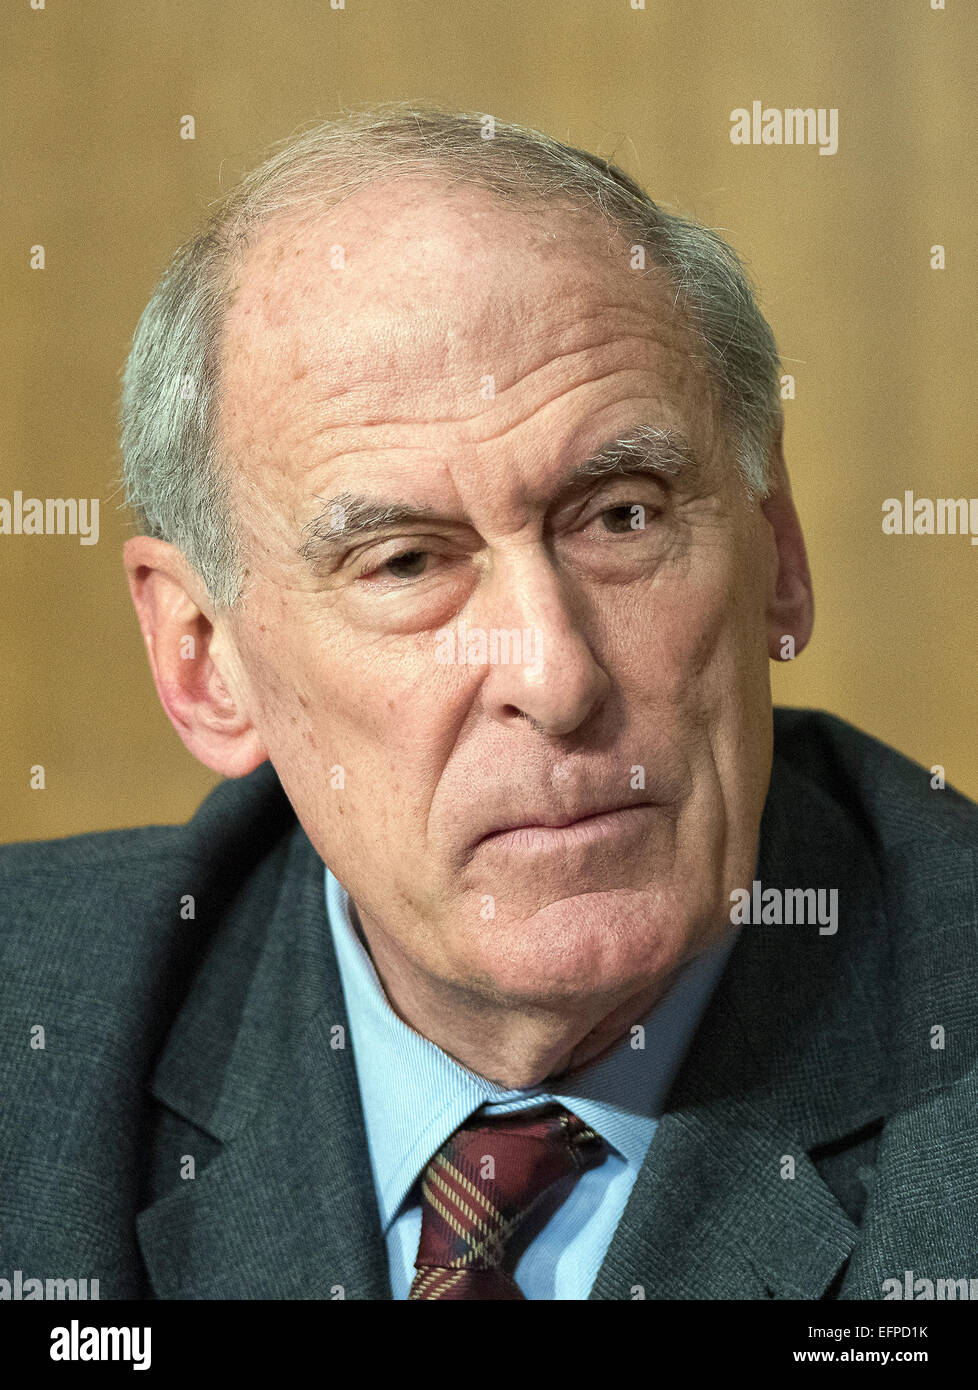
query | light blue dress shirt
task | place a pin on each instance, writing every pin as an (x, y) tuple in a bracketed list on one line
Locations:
[(414, 1096)]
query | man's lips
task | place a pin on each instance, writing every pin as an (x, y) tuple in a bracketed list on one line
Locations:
[(562, 832)]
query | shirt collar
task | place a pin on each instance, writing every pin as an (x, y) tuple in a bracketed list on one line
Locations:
[(414, 1095)]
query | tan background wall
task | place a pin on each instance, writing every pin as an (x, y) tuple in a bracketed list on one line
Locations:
[(882, 347)]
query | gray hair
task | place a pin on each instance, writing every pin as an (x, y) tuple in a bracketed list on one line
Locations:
[(175, 478)]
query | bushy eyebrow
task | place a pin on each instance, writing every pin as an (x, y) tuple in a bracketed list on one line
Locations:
[(348, 516)]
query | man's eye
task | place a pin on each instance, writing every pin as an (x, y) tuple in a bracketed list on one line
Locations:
[(627, 517), (410, 564)]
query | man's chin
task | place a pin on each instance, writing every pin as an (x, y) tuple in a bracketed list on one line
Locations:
[(601, 947)]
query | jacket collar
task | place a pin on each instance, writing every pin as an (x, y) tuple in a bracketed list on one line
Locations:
[(260, 1058)]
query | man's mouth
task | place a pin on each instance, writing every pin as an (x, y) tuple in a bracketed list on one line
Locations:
[(562, 833)]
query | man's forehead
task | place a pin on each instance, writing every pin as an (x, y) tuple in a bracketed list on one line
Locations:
[(420, 307), (447, 263)]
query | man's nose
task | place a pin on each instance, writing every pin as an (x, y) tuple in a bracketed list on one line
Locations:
[(535, 615)]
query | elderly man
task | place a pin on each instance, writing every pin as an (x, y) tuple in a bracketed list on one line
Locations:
[(525, 953)]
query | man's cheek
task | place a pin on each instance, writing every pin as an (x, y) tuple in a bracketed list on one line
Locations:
[(683, 656)]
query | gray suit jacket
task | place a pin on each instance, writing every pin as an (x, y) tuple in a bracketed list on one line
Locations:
[(167, 1039)]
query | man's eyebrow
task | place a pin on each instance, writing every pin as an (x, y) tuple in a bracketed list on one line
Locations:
[(644, 449), (347, 516)]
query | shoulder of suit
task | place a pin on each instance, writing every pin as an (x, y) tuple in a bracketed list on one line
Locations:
[(85, 899), (905, 839), (900, 839), (898, 803)]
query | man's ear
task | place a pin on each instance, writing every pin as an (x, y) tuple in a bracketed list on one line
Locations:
[(791, 602), (194, 665)]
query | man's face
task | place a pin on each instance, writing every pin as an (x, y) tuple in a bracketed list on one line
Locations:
[(466, 358)]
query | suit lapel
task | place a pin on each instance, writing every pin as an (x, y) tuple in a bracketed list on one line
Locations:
[(287, 1208), (711, 1217), (729, 1203)]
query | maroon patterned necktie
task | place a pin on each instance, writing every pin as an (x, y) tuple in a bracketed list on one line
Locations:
[(481, 1186)]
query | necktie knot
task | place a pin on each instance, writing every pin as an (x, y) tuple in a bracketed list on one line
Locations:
[(479, 1189)]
